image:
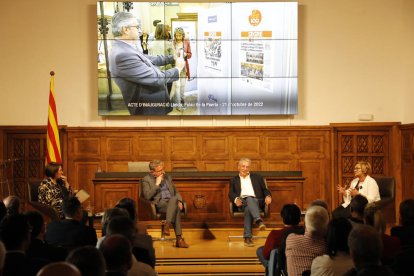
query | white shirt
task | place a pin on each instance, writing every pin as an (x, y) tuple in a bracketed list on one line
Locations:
[(246, 186), (368, 188)]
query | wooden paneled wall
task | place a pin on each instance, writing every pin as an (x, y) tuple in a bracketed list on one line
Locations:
[(325, 154), (376, 143), (207, 149), (407, 164)]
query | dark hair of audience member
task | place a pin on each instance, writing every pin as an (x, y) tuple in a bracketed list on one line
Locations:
[(3, 210), (71, 206), (51, 169), (320, 203), (89, 260), (123, 226), (117, 252), (36, 222), (358, 204), (129, 205), (109, 214), (407, 212), (365, 245), (373, 217), (15, 232), (2, 257), (290, 214), (337, 236)]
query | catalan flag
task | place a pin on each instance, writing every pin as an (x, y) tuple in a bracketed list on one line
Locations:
[(52, 139)]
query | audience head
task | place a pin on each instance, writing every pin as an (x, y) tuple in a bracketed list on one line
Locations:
[(110, 214), (3, 210), (373, 217), (12, 204), (365, 245), (72, 208), (320, 202), (290, 214), (117, 252), (36, 223), (52, 169), (364, 166), (88, 259), (407, 212), (59, 268), (123, 226), (2, 256), (337, 236), (15, 232), (129, 205), (316, 220), (357, 205)]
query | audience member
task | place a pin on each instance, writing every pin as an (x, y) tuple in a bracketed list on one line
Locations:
[(290, 214), (357, 207), (320, 202), (116, 250), (38, 247), (362, 184), (159, 188), (391, 245), (15, 234), (3, 210), (70, 232), (337, 260), (54, 188), (2, 257), (12, 204), (141, 262), (89, 260), (365, 248), (109, 214), (59, 268), (129, 205), (302, 249), (248, 191), (405, 231)]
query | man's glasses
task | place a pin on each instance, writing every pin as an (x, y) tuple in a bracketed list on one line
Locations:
[(138, 27)]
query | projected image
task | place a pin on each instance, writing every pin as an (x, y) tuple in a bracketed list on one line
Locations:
[(170, 59)]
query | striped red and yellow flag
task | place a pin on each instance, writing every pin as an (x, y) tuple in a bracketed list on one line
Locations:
[(52, 139)]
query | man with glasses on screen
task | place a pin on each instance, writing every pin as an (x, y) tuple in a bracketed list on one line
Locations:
[(143, 85)]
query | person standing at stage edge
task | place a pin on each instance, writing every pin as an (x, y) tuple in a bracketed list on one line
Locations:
[(248, 192), (142, 84), (158, 188)]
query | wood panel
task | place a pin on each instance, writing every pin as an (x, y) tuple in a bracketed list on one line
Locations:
[(323, 153), (407, 165), (206, 197), (376, 143)]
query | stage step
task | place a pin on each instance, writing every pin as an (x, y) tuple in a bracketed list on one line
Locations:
[(209, 266)]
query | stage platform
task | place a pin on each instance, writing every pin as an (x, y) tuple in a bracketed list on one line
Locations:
[(211, 252)]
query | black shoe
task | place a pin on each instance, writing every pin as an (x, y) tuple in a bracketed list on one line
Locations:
[(248, 242), (261, 225)]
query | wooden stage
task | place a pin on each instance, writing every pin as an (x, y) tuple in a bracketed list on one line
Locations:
[(211, 252)]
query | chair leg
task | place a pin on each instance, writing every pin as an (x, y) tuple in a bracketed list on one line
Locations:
[(163, 238)]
